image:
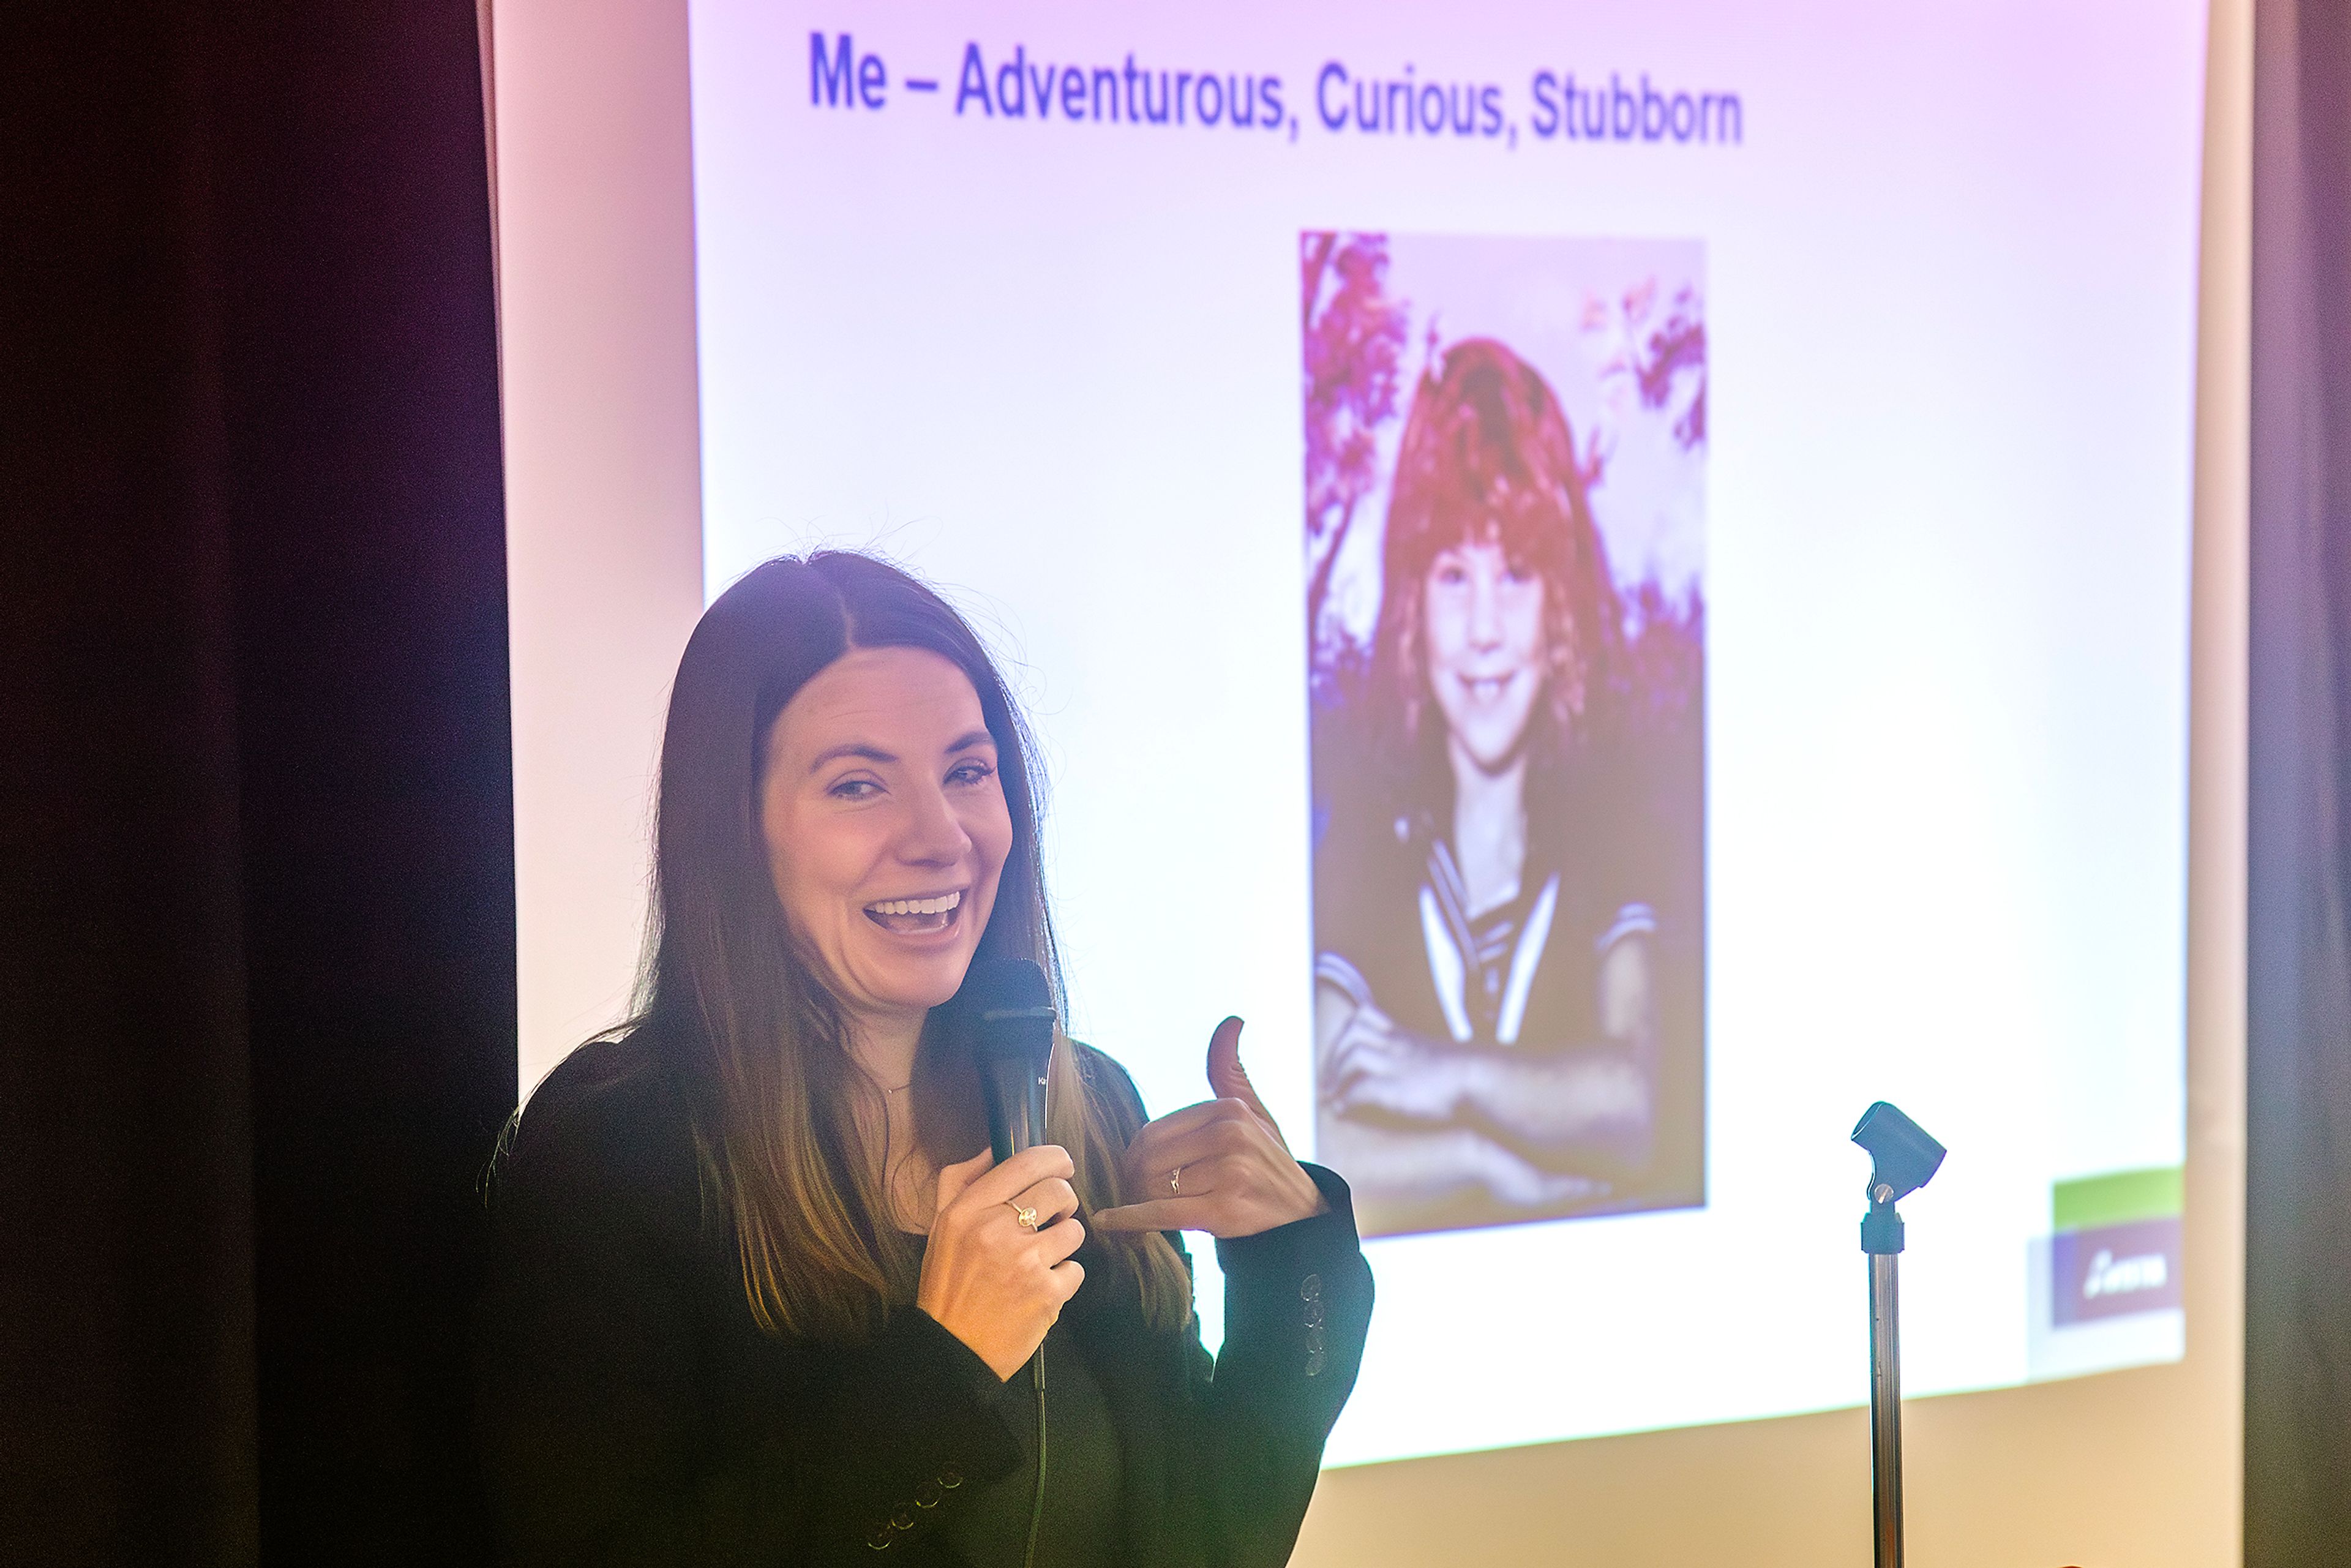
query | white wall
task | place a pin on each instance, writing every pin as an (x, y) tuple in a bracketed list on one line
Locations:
[(595, 225)]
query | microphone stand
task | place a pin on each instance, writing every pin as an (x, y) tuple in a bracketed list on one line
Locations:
[(1903, 1159)]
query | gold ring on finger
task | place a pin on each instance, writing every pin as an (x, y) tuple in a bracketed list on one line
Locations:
[(1176, 1181), (1025, 1214)]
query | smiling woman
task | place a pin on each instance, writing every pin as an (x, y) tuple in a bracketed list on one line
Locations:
[(756, 1297)]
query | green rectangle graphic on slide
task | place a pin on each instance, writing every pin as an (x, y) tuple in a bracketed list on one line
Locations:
[(2117, 1199)]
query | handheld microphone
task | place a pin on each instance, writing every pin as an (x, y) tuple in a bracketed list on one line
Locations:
[(1011, 1013), (1010, 1009)]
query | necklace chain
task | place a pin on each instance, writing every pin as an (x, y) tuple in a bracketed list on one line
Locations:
[(886, 1090)]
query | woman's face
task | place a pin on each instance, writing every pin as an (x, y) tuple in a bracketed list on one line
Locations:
[(886, 827), (1484, 621)]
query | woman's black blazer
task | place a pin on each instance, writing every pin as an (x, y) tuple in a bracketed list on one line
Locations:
[(631, 1412)]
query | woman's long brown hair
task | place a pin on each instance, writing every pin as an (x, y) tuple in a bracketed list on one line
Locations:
[(746, 1022)]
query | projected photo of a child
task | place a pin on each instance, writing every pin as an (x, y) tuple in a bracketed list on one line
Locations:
[(1505, 445)]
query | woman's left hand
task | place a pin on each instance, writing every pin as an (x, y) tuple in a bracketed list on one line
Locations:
[(1219, 1167)]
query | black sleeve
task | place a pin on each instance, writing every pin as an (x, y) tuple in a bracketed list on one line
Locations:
[(595, 1416), (1298, 1306)]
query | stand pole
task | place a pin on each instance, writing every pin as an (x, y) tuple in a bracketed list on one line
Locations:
[(1903, 1159), (1881, 1238), (1884, 1410)]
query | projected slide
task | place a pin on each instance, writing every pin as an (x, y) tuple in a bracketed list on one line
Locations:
[(1614, 578)]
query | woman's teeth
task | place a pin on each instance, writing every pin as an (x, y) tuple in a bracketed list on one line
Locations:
[(1488, 688), (938, 905), (908, 915)]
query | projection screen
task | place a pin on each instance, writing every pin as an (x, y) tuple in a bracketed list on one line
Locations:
[(1861, 694)]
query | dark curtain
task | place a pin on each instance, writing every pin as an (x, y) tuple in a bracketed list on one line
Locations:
[(2298, 1104), (258, 870)]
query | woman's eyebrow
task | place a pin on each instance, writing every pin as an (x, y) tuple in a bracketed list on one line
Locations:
[(857, 749), (865, 751)]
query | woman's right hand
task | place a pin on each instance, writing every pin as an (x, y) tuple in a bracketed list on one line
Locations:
[(990, 1280)]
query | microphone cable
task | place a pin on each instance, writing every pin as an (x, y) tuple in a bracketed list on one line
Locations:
[(1037, 1496)]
